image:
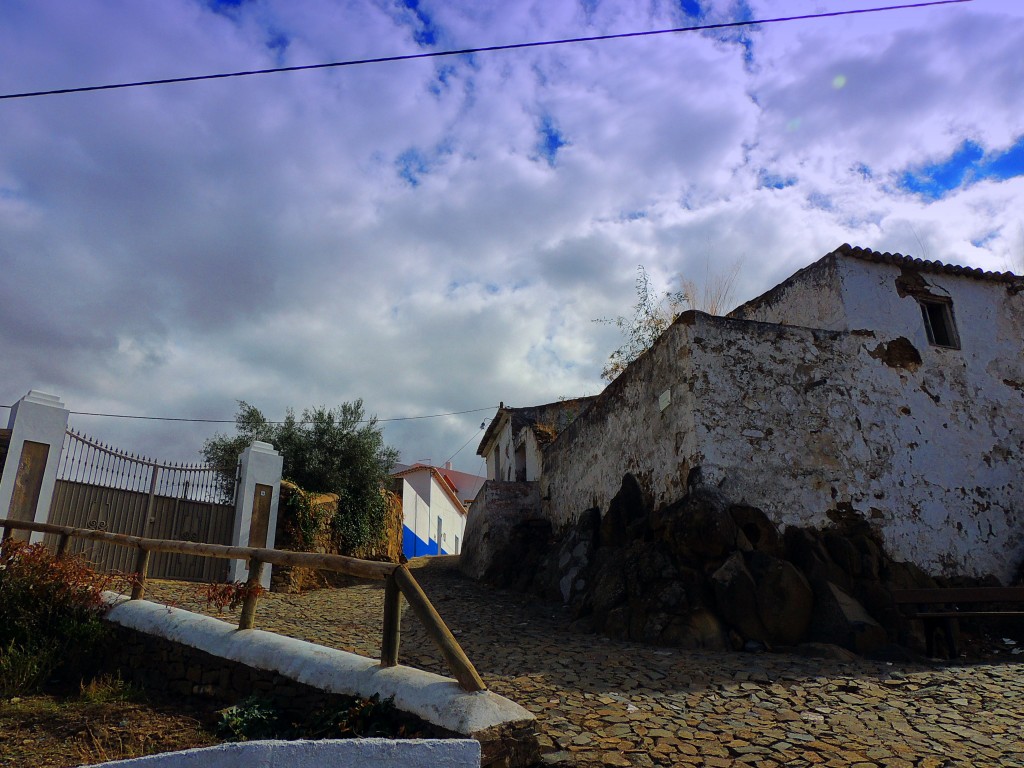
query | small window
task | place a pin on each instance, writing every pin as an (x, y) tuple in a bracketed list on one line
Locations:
[(938, 322)]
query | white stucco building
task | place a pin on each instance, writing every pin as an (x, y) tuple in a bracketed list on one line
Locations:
[(434, 505), (514, 442), (866, 384)]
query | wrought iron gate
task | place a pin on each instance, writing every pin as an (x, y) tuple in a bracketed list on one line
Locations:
[(106, 489)]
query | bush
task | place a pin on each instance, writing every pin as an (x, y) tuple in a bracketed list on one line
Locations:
[(50, 615), (252, 718), (354, 717)]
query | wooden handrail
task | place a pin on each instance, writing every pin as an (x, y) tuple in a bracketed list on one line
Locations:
[(398, 580), (350, 566)]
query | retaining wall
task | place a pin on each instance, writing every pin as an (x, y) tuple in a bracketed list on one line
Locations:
[(188, 654)]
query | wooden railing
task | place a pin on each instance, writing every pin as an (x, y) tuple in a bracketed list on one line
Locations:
[(398, 582)]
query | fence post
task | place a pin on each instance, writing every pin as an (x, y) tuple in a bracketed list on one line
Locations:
[(139, 577), (38, 422), (252, 593), (256, 504), (392, 623), (459, 664)]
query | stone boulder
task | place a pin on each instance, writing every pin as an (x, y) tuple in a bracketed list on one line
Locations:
[(764, 598), (628, 516), (756, 531), (736, 598), (839, 618), (784, 598), (565, 576), (699, 527)]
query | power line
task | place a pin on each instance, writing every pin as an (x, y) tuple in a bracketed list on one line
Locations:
[(232, 421), (464, 444), (483, 49)]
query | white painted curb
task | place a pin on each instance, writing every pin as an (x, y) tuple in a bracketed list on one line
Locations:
[(364, 753), (438, 700)]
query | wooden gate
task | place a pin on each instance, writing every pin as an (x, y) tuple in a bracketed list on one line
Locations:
[(105, 489)]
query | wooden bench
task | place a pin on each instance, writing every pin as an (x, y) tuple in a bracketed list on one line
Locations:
[(942, 607)]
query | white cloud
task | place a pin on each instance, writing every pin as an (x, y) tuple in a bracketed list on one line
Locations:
[(170, 250)]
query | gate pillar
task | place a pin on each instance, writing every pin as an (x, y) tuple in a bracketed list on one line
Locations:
[(38, 422), (259, 488)]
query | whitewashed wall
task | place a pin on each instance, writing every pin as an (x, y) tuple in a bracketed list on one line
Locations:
[(423, 501), (501, 460), (799, 421)]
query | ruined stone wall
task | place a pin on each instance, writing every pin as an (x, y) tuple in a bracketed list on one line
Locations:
[(500, 509), (811, 298), (808, 425)]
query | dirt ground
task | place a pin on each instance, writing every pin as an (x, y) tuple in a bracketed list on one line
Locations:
[(107, 721)]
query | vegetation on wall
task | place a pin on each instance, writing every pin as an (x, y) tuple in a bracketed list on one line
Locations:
[(337, 450), (653, 315)]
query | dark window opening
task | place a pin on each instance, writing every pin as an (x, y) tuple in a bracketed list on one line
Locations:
[(939, 324)]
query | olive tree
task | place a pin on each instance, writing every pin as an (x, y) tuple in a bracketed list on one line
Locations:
[(337, 450)]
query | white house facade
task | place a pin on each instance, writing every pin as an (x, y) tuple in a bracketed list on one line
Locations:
[(434, 507)]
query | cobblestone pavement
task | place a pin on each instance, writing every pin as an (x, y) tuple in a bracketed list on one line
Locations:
[(604, 703)]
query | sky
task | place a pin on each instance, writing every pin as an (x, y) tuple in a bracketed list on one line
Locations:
[(440, 235)]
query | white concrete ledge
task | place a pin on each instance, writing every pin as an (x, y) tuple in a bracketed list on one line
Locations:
[(364, 753), (437, 700)]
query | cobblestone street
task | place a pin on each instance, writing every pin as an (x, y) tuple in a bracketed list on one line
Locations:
[(605, 703)]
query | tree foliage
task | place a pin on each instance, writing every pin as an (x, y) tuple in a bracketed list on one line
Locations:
[(335, 450)]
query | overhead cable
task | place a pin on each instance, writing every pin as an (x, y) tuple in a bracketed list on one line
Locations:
[(482, 49), (233, 421)]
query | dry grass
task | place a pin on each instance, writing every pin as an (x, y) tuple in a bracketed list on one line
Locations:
[(105, 720)]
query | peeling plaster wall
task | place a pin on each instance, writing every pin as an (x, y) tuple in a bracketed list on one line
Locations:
[(811, 298), (625, 430), (804, 422)]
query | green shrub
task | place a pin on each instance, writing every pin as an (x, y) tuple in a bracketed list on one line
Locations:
[(252, 718), (50, 615), (258, 718)]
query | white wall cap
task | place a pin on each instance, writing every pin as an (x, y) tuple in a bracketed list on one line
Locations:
[(261, 447), (43, 398), (436, 699), (365, 753)]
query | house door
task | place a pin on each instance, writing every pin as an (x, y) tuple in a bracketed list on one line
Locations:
[(439, 550)]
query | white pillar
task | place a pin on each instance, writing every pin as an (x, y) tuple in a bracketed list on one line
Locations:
[(260, 479), (38, 422)]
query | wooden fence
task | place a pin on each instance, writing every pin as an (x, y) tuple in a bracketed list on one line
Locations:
[(398, 582)]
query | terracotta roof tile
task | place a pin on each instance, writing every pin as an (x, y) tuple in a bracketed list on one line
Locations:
[(898, 259)]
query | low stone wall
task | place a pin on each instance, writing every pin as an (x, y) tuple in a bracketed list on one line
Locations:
[(366, 753), (501, 510), (187, 654)]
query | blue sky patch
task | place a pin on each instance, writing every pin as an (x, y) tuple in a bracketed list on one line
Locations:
[(690, 7), (412, 164), (820, 200), (550, 140), (981, 242), (278, 43), (425, 32), (863, 170), (766, 179), (967, 165), (225, 7)]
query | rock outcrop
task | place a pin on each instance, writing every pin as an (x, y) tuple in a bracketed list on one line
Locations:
[(707, 573)]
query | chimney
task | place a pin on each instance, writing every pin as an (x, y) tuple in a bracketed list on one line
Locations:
[(447, 465)]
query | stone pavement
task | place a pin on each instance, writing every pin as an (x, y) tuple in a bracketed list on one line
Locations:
[(605, 703)]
